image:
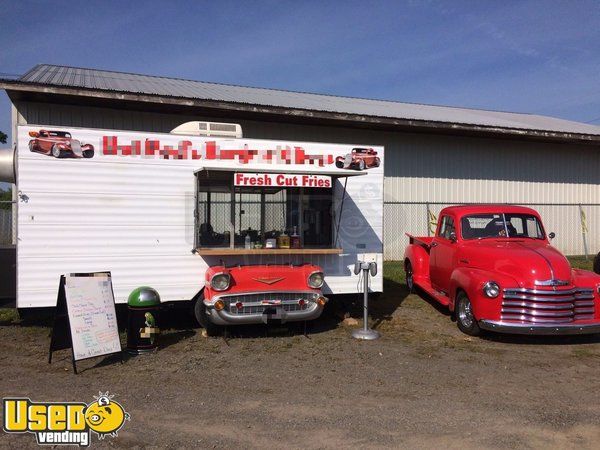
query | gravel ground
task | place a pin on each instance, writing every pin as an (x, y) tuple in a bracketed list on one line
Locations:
[(422, 385)]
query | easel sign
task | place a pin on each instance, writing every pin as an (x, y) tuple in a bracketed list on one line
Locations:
[(85, 320)]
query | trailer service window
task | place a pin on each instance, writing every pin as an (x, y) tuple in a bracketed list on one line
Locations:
[(231, 206)]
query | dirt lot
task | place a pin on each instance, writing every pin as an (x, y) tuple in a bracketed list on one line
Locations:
[(422, 385)]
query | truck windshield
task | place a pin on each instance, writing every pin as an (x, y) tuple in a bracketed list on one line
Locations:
[(501, 225)]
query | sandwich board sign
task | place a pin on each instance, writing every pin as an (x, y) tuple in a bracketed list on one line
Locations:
[(85, 319)]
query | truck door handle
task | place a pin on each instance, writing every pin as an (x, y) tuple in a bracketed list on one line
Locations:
[(434, 244)]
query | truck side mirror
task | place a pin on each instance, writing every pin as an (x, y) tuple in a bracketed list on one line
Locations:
[(453, 237), (552, 235)]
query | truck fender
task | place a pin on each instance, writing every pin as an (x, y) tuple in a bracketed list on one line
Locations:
[(471, 281), (419, 260)]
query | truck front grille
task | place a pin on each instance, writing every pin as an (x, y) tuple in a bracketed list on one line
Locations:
[(547, 306), (254, 303)]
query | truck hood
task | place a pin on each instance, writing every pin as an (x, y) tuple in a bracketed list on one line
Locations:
[(528, 262)]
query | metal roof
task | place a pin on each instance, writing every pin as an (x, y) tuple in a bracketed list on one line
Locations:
[(103, 80)]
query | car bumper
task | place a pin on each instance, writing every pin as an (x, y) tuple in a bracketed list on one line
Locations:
[(546, 329), (270, 314)]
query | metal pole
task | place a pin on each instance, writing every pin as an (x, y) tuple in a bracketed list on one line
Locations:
[(365, 333), (366, 300), (583, 231), (428, 219)]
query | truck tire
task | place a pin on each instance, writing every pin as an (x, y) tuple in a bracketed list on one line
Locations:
[(464, 315), (88, 153), (597, 263), (410, 280), (203, 320)]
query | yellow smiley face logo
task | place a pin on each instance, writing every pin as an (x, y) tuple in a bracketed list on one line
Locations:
[(105, 416)]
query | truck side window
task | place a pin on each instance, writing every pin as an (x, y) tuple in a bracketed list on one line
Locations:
[(447, 227)]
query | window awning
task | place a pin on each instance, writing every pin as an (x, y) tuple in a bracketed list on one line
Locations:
[(339, 173)]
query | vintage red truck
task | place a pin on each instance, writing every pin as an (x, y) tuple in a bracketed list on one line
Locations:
[(494, 267), (59, 144), (258, 293)]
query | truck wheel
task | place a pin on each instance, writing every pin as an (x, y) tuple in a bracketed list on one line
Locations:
[(377, 162), (57, 152), (203, 320), (597, 263), (88, 153), (464, 316), (361, 164), (410, 281), (339, 164)]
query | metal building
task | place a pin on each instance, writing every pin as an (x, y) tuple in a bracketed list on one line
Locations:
[(435, 155)]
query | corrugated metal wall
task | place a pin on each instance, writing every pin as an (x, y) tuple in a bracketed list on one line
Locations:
[(419, 168)]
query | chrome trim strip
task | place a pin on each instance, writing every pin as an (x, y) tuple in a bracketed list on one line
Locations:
[(539, 329)]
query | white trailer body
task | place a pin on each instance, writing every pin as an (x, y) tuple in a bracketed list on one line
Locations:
[(130, 209)]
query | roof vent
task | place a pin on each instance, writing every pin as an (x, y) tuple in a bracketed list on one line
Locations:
[(211, 129)]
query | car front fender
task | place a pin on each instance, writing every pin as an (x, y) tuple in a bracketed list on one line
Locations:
[(471, 281)]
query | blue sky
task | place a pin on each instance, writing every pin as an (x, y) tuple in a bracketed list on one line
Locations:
[(529, 56)]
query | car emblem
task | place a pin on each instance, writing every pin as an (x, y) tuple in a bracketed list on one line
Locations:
[(551, 283), (268, 280)]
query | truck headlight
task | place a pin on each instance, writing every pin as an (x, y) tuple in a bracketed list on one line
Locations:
[(220, 281), (315, 280), (491, 289)]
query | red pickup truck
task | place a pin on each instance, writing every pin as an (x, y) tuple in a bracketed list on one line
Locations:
[(494, 267)]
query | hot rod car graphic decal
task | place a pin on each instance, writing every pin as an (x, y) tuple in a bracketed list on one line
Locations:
[(59, 144)]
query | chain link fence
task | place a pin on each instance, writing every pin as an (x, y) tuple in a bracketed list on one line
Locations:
[(577, 226), (6, 223)]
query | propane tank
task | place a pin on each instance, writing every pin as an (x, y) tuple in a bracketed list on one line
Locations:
[(7, 165)]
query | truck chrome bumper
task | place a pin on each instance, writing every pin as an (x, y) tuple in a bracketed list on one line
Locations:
[(539, 329), (270, 313)]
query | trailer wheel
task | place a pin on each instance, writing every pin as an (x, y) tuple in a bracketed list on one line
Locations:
[(464, 315), (203, 320), (410, 280), (57, 152), (597, 263)]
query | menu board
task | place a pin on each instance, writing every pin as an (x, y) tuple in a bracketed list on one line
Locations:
[(92, 317)]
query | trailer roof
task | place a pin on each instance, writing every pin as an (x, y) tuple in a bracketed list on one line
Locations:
[(280, 102)]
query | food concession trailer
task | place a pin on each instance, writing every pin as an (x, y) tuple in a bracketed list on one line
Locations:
[(248, 228)]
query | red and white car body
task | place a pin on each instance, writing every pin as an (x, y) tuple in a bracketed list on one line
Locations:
[(259, 293), (494, 267), (359, 159), (59, 144)]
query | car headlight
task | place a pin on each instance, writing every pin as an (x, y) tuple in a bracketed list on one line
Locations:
[(220, 281), (316, 279), (491, 289)]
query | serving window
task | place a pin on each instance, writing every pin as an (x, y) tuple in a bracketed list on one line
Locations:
[(261, 217)]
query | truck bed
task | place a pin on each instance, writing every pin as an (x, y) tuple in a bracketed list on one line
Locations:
[(424, 241)]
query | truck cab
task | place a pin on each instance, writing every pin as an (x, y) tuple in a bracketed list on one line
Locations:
[(494, 267)]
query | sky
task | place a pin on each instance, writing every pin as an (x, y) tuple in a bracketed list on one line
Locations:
[(539, 57)]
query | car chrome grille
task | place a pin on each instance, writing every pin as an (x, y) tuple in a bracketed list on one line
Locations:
[(253, 302), (547, 306), (76, 147)]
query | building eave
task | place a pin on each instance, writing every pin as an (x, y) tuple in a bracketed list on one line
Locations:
[(17, 89)]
